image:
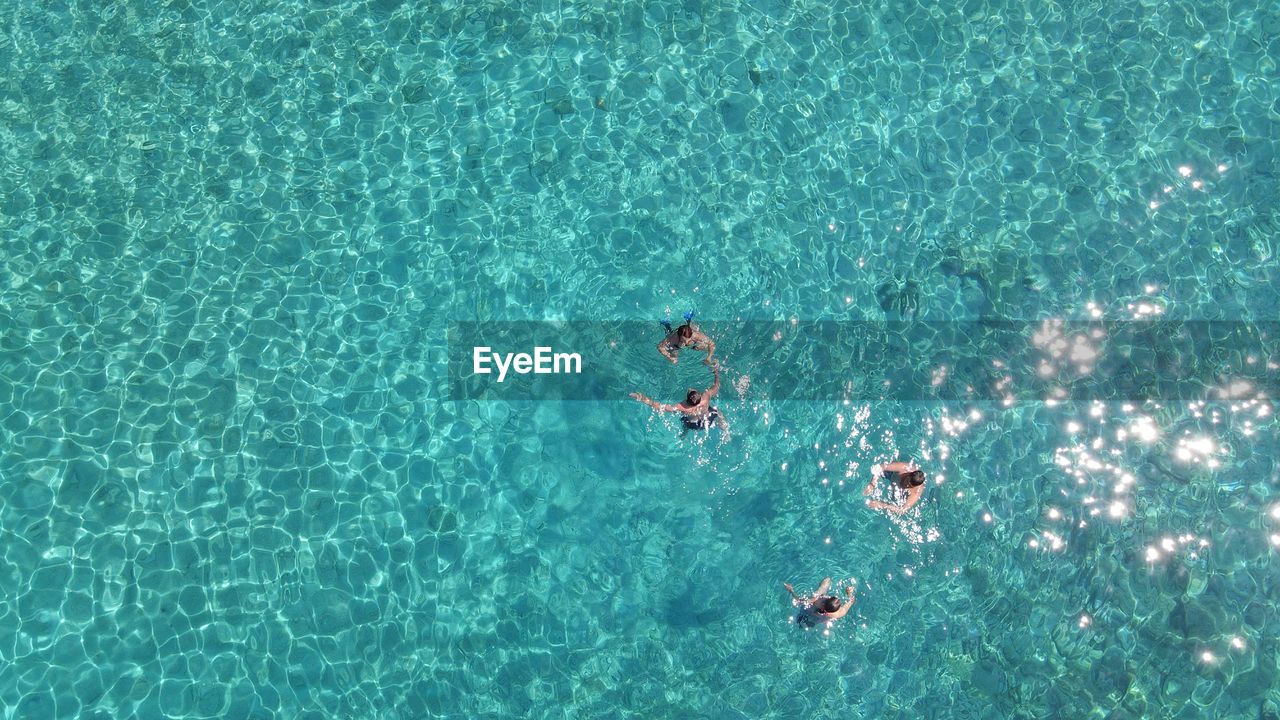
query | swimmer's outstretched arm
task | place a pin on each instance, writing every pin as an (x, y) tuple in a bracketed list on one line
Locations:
[(913, 496), (898, 467), (792, 590), (715, 387), (660, 407), (823, 588), (702, 338), (875, 478)]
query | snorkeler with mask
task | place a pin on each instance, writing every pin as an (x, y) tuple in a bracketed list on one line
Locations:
[(687, 335)]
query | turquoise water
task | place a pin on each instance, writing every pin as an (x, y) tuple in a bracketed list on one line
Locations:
[(232, 483)]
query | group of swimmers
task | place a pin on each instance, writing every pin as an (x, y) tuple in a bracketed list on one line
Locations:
[(697, 413), (823, 607)]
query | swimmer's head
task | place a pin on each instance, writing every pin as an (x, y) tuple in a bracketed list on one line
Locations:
[(915, 478), (693, 397), (685, 331), (828, 604)]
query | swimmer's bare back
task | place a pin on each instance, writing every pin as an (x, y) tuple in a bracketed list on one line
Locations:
[(696, 409), (914, 494)]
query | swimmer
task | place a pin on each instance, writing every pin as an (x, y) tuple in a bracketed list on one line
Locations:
[(907, 479), (687, 335), (820, 607), (696, 411)]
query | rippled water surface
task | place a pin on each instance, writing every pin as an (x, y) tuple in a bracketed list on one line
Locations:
[(233, 485)]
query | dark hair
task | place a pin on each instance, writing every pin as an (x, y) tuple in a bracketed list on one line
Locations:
[(828, 603), (685, 331), (915, 478), (693, 397)]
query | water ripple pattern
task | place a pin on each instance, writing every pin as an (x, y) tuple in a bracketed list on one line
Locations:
[(232, 485)]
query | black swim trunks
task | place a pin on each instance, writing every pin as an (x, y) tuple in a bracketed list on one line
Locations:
[(702, 422)]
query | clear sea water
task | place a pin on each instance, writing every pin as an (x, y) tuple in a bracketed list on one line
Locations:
[(232, 484)]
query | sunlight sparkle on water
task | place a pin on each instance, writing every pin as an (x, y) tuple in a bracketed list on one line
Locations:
[(1081, 348), (1055, 540), (954, 426), (1142, 427), (1145, 309), (1235, 389), (1197, 449)]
